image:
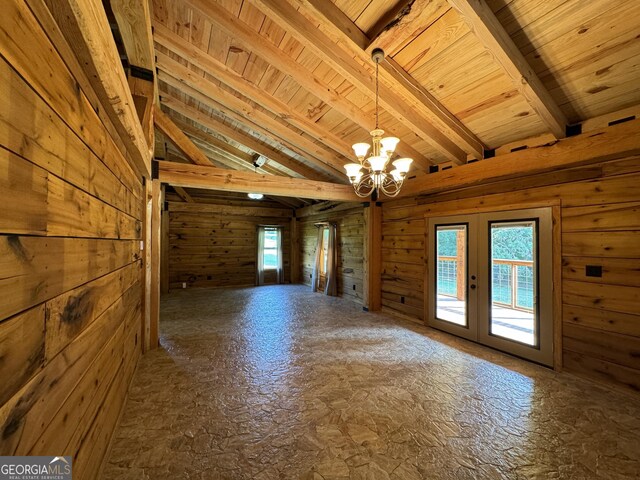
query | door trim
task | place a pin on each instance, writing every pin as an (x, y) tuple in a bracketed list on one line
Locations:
[(444, 210)]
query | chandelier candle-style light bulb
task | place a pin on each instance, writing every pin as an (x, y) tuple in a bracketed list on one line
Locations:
[(370, 175)]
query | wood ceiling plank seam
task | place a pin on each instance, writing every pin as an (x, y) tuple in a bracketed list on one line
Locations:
[(255, 120), (196, 32), (595, 81), (555, 59), (245, 139), (287, 65), (515, 16), (603, 104), (553, 24)]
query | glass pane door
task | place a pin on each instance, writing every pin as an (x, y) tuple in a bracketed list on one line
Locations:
[(489, 278), (451, 274), (513, 281)]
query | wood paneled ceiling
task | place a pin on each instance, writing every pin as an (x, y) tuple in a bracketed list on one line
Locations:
[(292, 80)]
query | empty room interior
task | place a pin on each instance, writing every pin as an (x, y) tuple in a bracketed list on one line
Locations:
[(320, 239)]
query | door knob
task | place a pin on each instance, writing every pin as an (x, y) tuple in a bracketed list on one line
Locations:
[(473, 287)]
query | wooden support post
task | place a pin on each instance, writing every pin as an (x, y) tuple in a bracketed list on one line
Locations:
[(372, 253), (156, 230), (295, 251), (164, 246), (146, 273), (460, 267)]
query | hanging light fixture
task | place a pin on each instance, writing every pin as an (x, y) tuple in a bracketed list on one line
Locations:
[(370, 175)]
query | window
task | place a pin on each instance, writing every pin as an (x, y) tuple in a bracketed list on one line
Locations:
[(270, 252), (325, 247)]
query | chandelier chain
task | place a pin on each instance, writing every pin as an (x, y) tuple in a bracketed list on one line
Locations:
[(377, 94)]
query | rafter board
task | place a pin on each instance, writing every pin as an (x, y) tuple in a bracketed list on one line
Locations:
[(303, 77), (192, 94), (241, 137), (181, 77), (496, 40), (431, 120), (178, 138), (134, 23), (243, 86)]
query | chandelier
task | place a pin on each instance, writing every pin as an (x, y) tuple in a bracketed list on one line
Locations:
[(370, 175)]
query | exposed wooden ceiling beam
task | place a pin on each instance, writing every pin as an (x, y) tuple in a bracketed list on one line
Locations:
[(196, 86), (241, 157), (221, 159), (488, 29), (182, 193), (611, 143), (168, 39), (240, 137), (86, 29), (197, 176), (178, 138), (279, 161), (400, 95), (265, 49), (134, 24)]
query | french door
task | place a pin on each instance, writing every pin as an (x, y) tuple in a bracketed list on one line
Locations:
[(490, 280)]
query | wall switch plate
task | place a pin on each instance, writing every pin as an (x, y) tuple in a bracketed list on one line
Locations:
[(184, 284)]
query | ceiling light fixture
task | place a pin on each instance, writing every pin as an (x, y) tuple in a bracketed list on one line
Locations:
[(255, 196), (375, 177)]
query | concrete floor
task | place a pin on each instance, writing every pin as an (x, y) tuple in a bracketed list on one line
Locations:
[(279, 383)]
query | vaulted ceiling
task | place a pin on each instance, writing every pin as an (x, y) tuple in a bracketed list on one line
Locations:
[(293, 81)]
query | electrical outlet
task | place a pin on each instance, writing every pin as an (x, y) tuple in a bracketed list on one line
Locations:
[(184, 284)]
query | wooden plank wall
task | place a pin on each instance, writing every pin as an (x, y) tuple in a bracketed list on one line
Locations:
[(215, 245), (70, 269), (350, 249), (600, 226)]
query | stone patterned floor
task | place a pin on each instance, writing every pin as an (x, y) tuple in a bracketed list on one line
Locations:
[(280, 383)]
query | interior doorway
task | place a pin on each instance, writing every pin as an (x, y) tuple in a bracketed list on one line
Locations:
[(491, 280)]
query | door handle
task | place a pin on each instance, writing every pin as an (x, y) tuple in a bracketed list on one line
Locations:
[(473, 287)]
